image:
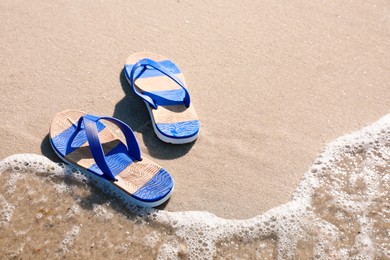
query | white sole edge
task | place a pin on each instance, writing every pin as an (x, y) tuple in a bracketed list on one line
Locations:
[(165, 138)]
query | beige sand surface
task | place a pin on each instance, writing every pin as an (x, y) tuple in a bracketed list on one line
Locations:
[(272, 83)]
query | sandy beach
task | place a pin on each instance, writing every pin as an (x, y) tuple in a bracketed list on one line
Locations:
[(272, 82)]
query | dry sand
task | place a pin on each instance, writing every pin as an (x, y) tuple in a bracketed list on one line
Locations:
[(272, 83)]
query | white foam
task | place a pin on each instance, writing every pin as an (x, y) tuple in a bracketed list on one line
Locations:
[(61, 187), (42, 199), (339, 208), (6, 211), (15, 253), (32, 163), (101, 212), (151, 239), (170, 250), (67, 243), (353, 189), (73, 211)]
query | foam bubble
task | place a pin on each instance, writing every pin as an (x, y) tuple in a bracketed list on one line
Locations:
[(39, 215)]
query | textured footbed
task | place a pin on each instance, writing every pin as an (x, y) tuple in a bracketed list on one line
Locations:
[(133, 177), (163, 114)]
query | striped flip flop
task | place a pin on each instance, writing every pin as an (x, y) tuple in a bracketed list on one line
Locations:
[(86, 142), (160, 83)]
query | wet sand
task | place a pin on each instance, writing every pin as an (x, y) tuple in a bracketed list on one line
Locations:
[(272, 83)]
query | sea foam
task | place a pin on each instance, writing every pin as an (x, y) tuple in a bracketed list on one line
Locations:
[(340, 209)]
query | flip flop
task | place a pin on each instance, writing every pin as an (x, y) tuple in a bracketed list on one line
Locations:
[(84, 141), (161, 85)]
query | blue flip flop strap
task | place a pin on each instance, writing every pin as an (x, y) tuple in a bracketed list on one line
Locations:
[(90, 127), (162, 69)]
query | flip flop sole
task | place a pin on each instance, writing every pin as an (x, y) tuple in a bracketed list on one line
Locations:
[(175, 124), (147, 183)]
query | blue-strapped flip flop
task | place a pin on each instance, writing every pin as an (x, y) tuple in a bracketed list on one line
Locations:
[(161, 85), (85, 142)]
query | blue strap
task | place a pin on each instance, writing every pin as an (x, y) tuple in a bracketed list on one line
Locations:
[(148, 62), (91, 131)]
